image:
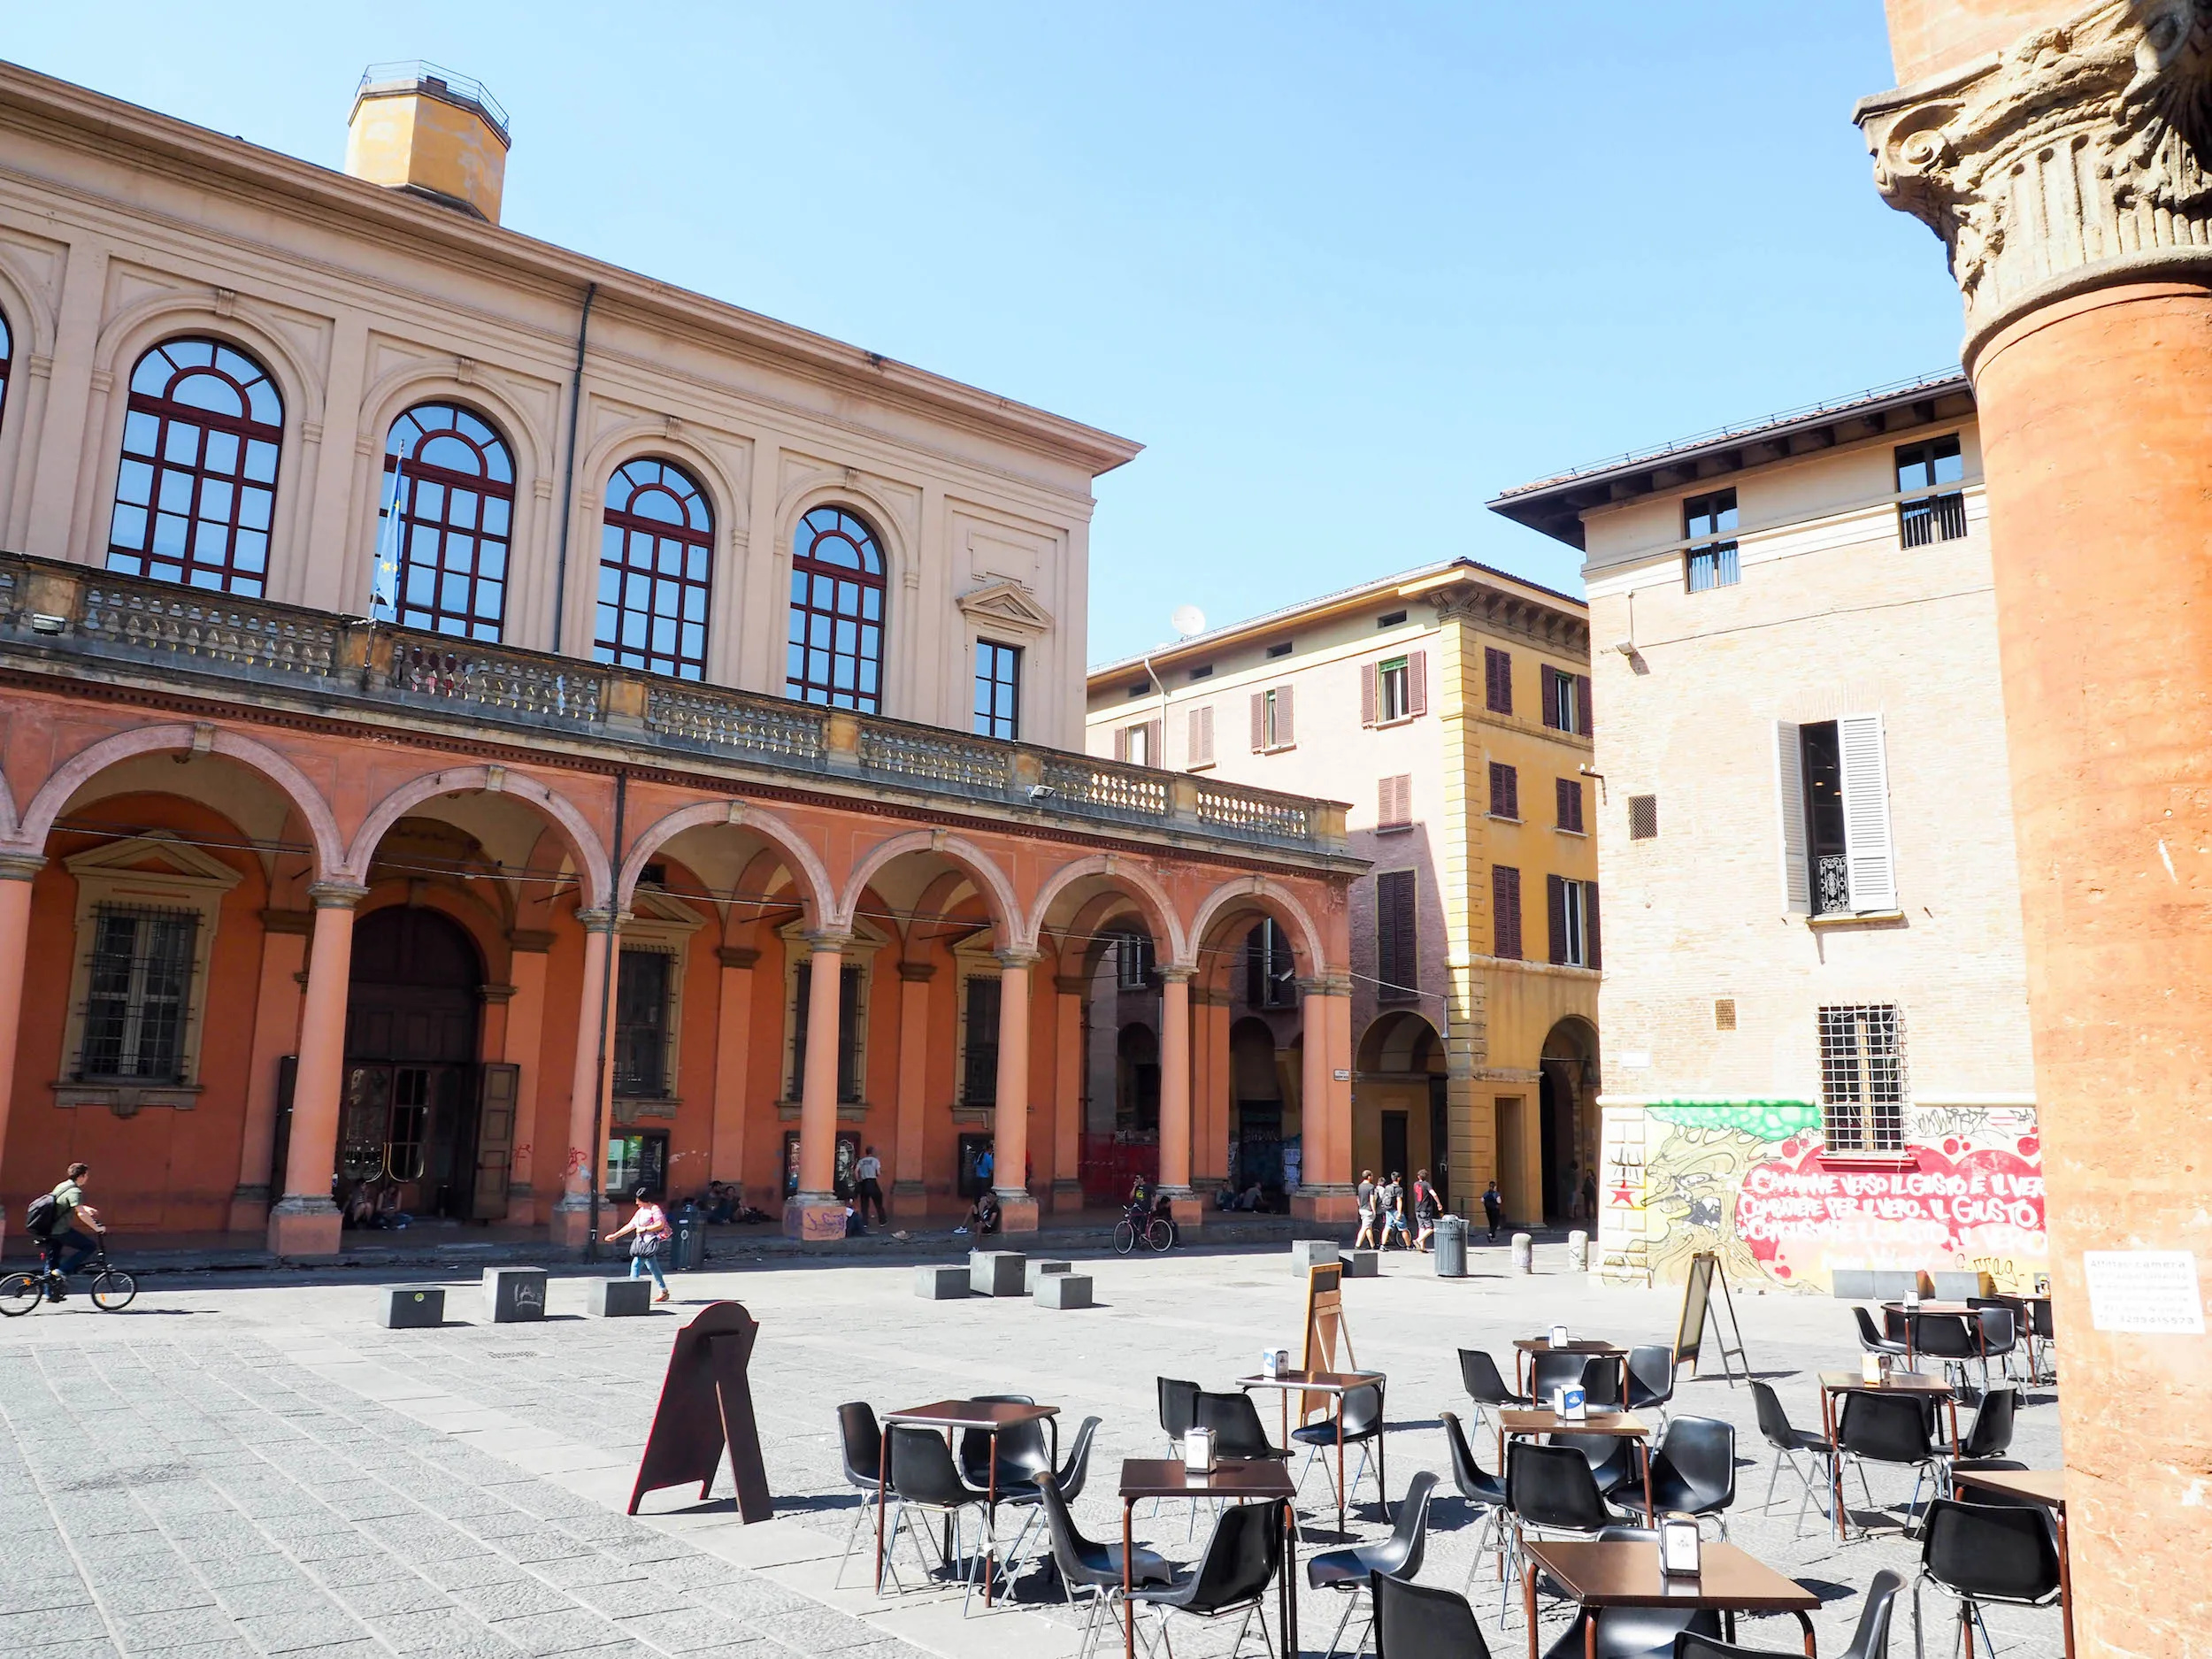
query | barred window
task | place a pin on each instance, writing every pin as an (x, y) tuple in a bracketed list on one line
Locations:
[(642, 1002), (1132, 963), (978, 1013), (1708, 523), (141, 985), (849, 987), (1930, 517), (1863, 1077), (1643, 817)]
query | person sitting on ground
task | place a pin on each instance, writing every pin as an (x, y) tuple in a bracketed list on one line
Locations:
[(389, 1214), (1250, 1198), (1225, 1196), (983, 1216), (360, 1206)]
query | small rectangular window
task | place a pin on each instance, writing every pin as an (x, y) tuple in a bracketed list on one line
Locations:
[(1393, 690), (139, 990), (643, 1001), (1934, 513), (1205, 670), (1643, 817), (1862, 1078), (1573, 907), (1505, 912), (1138, 688), (1391, 620), (1505, 791), (1497, 680), (1282, 650), (1569, 797), (1566, 700), (1709, 523), (1132, 963), (1724, 1013), (1396, 959), (998, 690), (1271, 969)]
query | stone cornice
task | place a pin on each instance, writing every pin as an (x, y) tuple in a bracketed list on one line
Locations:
[(2070, 160)]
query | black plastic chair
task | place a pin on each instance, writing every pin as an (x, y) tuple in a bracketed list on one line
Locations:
[(1611, 1457), (1069, 1480), (1087, 1566), (1631, 1632), (2046, 1335), (1361, 1411), (1791, 1443), (1988, 1438), (2000, 1339), (923, 1477), (1235, 1422), (1397, 1556), (1549, 1489), (1869, 1640), (1021, 1451), (1651, 1369), (1485, 1385), (1985, 1552), (1241, 1560), (1550, 1372), (1413, 1622), (1886, 1428), (1178, 1400), (1484, 1491), (1693, 1473), (1947, 1338), (860, 1445), (1873, 1341)]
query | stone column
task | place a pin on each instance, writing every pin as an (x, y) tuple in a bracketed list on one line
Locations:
[(1324, 1188), (304, 1223), (18, 872), (909, 1190), (2066, 175), (587, 1093), (1175, 1080), (1067, 1090), (733, 1058), (1009, 1114), (276, 1033), (814, 1210), (526, 951)]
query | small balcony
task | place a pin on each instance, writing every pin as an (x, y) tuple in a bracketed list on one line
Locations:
[(75, 623)]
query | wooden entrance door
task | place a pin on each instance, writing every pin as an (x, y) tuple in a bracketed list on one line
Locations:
[(413, 1010)]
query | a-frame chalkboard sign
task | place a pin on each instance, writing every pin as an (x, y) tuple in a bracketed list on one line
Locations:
[(1697, 1299)]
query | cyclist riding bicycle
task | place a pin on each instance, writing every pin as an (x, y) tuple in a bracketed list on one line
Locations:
[(62, 1237)]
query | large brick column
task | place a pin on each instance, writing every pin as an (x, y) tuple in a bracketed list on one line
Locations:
[(2066, 174)]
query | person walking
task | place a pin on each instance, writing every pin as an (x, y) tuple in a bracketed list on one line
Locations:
[(1393, 1200), (1370, 1216), (1590, 1196), (57, 1231), (1492, 1209), (1426, 1208), (869, 1173), (648, 1230)]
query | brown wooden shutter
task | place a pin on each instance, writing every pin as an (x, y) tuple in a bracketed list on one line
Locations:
[(1367, 694), (1121, 742), (1152, 754), (1498, 679), (1550, 677), (498, 1086), (1505, 911), (1259, 721), (1570, 794), (1513, 795), (1201, 734), (1416, 683), (1394, 963), (1590, 924), (1286, 722), (1582, 705), (1555, 903)]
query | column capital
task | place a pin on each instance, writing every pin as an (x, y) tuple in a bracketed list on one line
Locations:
[(917, 973), (739, 956), (20, 866), (1020, 957), (828, 941), (2066, 162), (1175, 974), (337, 895), (607, 921), (1327, 985)]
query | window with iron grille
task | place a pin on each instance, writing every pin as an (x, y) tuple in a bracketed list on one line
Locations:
[(1132, 963), (139, 989), (1643, 817), (848, 1044), (1937, 514), (1505, 790), (1709, 523), (1863, 1077), (1271, 970), (978, 1047), (1724, 1013), (1505, 912), (1569, 797), (644, 997), (998, 690)]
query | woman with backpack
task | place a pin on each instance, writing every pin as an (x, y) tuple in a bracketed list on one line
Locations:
[(648, 1230)]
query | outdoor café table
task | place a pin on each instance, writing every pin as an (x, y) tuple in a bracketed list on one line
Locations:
[(1518, 1424), (1526, 1347), (2047, 1487), (1240, 1480), (1336, 1384), (1953, 1310), (1627, 1574), (1896, 1382), (986, 1416)]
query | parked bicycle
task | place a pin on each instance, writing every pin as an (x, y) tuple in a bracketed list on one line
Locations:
[(1159, 1234), (112, 1288)]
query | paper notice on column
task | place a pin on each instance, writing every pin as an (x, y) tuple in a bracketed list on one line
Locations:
[(2149, 1293)]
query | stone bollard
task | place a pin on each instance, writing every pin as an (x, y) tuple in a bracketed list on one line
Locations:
[(1523, 1254), (1579, 1251)]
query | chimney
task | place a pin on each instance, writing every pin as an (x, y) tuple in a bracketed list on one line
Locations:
[(418, 128)]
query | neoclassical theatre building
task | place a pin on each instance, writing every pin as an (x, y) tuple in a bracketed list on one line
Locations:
[(480, 724)]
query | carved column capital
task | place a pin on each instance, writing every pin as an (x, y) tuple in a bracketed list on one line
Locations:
[(2068, 161)]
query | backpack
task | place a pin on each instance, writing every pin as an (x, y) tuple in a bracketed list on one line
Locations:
[(40, 1215)]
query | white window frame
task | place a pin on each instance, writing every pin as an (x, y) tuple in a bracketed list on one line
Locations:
[(1870, 847), (1394, 690), (1573, 910)]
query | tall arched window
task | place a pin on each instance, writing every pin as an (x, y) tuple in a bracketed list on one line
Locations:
[(195, 490), (7, 358), (835, 654), (448, 506), (656, 571)]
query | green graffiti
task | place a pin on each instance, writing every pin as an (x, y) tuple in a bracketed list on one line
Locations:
[(1767, 1119)]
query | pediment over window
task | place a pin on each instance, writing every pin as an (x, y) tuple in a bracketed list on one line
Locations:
[(156, 857), (1006, 605)]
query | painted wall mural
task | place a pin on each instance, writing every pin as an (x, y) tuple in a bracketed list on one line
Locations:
[(1753, 1180)]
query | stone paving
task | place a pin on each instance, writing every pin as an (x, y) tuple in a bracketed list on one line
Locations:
[(260, 1469)]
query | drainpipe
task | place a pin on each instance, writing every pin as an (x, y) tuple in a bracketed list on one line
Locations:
[(606, 1002), (568, 510)]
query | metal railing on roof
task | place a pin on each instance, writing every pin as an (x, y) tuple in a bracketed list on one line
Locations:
[(435, 79)]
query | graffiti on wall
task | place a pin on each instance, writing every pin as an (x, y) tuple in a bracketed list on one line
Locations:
[(1754, 1181)]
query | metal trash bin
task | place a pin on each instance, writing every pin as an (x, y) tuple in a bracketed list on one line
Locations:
[(1451, 1247), (688, 1251)]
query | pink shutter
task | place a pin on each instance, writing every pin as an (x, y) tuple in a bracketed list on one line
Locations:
[(1259, 721), (1121, 750), (1367, 694), (1153, 757), (1416, 683), (1286, 728), (1202, 736)]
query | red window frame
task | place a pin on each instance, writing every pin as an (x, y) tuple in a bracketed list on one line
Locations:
[(656, 571), (448, 527), (834, 651), (195, 482)]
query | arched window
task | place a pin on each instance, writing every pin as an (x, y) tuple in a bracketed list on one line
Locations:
[(656, 571), (835, 654), (7, 357), (195, 490), (448, 505)]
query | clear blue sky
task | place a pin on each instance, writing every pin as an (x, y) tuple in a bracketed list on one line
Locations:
[(1346, 270)]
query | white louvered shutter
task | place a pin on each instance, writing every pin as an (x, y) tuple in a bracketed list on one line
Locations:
[(1789, 800), (1866, 843)]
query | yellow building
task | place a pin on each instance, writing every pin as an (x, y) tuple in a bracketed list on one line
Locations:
[(1450, 708)]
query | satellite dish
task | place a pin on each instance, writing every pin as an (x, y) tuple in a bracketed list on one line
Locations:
[(1187, 620)]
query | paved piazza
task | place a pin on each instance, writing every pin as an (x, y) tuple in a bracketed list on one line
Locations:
[(257, 1467)]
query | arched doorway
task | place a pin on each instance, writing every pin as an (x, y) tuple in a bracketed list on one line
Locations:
[(1399, 1119), (1564, 1128), (413, 1009)]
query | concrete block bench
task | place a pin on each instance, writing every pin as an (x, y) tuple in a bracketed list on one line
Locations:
[(411, 1308), (941, 1284), (618, 1298), (1063, 1290), (1038, 1270), (997, 1273), (513, 1294), (1364, 1264), (1311, 1253)]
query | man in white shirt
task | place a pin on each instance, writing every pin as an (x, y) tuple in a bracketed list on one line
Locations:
[(869, 1174)]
